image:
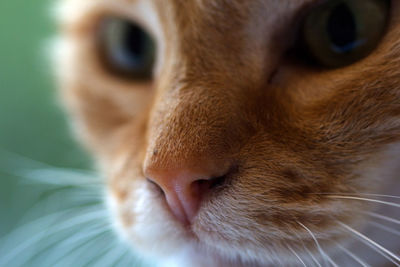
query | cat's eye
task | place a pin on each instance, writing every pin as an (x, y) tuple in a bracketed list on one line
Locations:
[(337, 33), (126, 49)]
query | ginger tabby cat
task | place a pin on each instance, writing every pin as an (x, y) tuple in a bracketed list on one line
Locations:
[(241, 133)]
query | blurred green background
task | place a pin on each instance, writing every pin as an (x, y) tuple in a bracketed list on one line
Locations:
[(51, 208), (31, 122)]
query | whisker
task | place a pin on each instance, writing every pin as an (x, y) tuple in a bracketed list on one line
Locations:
[(365, 199), (353, 256), (26, 244), (297, 255), (21, 230), (75, 223), (378, 251), (60, 177), (40, 172), (79, 253), (321, 251), (103, 241), (385, 228), (331, 261), (307, 250), (312, 256), (14, 161), (101, 254), (358, 194), (382, 217), (370, 241), (72, 242), (125, 260), (83, 232), (112, 256)]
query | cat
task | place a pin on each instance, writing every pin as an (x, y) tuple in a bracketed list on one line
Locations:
[(241, 133)]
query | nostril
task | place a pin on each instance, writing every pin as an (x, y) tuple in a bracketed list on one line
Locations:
[(206, 186), (156, 187), (217, 182), (209, 184), (221, 181), (185, 190)]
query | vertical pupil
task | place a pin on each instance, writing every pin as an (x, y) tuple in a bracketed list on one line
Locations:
[(134, 43), (342, 28)]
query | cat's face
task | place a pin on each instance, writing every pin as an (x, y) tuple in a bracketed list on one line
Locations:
[(234, 145)]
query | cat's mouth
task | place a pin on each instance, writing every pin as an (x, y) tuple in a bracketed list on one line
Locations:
[(152, 227), (153, 230)]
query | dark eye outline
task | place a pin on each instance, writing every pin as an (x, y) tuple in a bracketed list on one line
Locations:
[(307, 53), (124, 69)]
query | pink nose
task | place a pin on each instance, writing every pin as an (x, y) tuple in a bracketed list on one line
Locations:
[(183, 190)]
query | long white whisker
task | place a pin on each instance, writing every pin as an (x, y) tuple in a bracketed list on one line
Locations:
[(331, 261), (79, 242), (46, 232), (60, 177), (382, 217), (358, 194), (321, 251), (297, 255), (75, 198), (16, 160), (41, 172), (385, 228), (365, 199), (307, 250), (370, 241), (112, 256), (72, 243), (353, 256), (78, 254), (39, 222), (99, 255), (312, 256), (76, 226), (84, 232), (377, 250), (125, 259)]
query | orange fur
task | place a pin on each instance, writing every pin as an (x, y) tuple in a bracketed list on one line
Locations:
[(227, 94)]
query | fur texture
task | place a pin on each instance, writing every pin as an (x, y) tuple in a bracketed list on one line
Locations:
[(226, 95)]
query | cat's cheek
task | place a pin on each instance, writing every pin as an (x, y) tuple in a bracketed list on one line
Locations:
[(141, 221)]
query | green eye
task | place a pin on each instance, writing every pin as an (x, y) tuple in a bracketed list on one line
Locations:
[(340, 32), (126, 49)]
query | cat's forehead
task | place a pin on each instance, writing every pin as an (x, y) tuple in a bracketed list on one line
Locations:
[(181, 11)]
